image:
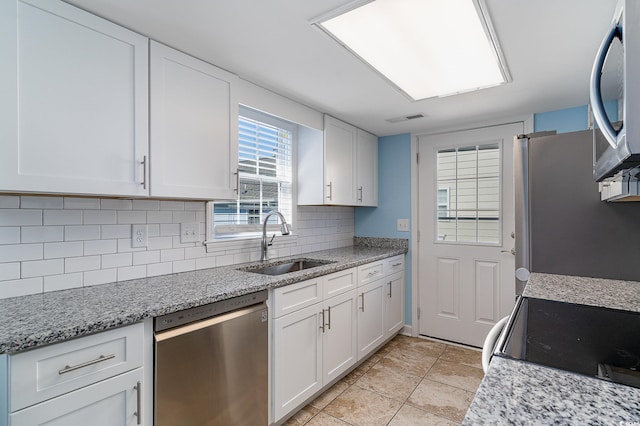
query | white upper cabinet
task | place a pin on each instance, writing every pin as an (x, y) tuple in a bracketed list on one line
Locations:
[(74, 102), (194, 127), (339, 167), (339, 162), (367, 169)]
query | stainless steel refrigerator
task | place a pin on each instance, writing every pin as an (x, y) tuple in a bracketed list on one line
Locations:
[(562, 227)]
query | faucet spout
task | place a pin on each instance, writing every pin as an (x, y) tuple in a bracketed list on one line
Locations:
[(284, 228)]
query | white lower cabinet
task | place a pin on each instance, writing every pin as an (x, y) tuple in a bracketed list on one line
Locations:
[(115, 401), (98, 379), (338, 335), (394, 304), (370, 318)]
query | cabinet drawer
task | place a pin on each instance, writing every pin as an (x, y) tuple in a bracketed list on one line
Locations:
[(369, 272), (296, 296), (339, 282), (394, 264), (50, 371)]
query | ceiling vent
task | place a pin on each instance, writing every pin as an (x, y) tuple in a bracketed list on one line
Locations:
[(405, 118)]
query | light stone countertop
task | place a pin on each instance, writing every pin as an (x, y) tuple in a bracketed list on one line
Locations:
[(522, 393), (36, 320)]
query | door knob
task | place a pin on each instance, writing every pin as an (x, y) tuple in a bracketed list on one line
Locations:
[(512, 251)]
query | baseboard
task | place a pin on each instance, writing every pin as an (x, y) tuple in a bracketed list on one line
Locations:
[(407, 330)]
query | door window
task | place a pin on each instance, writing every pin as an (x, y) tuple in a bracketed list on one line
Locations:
[(468, 194)]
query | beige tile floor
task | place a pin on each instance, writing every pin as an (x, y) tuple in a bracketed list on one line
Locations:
[(410, 381)]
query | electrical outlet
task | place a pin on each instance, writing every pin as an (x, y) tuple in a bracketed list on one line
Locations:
[(189, 232), (402, 225), (139, 235)]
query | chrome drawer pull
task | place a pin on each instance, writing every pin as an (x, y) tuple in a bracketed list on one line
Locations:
[(101, 358), (397, 264), (138, 413)]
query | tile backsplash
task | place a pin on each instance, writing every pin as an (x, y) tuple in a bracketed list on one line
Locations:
[(55, 243)]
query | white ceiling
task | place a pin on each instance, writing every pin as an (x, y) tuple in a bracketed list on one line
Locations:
[(549, 46)]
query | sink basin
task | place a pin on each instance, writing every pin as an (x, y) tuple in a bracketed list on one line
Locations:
[(593, 341), (286, 267)]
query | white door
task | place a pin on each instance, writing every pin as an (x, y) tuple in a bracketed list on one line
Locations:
[(466, 221)]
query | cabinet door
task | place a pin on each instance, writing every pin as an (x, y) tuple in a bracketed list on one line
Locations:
[(110, 402), (339, 162), (339, 335), (367, 169), (394, 304), (74, 104), (297, 358), (370, 317), (194, 127)]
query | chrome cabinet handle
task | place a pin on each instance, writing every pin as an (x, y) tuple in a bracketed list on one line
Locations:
[(101, 358), (371, 274), (322, 322), (237, 174), (396, 264), (329, 317), (390, 289), (330, 186), (138, 412), (144, 172), (360, 198), (362, 295)]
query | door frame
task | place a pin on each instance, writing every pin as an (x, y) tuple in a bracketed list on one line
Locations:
[(526, 120)]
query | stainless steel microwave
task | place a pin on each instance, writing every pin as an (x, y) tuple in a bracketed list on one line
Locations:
[(616, 78)]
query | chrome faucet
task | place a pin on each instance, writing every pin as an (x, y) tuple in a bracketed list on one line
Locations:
[(284, 228)]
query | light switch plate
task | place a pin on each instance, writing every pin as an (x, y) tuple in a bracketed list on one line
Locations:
[(139, 234), (189, 232), (402, 225)]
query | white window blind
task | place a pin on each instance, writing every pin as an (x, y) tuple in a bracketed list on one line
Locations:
[(265, 179)]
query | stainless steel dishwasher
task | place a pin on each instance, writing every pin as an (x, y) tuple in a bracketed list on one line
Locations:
[(211, 364)]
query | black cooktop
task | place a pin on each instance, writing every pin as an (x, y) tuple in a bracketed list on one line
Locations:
[(594, 341)]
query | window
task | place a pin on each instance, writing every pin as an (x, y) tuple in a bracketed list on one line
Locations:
[(265, 177), (468, 194)]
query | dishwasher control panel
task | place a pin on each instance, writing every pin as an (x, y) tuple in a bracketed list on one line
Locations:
[(198, 313)]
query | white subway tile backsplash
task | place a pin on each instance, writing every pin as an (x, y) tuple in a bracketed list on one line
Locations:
[(41, 234), (9, 202), (94, 247), (66, 249), (101, 276), (50, 243), (155, 269), (146, 205), (99, 217), (40, 202), (9, 235), (14, 288), (171, 205), (20, 252), (160, 217), (71, 203), (116, 260), (81, 264), (110, 204), (20, 217), (134, 216), (132, 272), (63, 282), (9, 271), (40, 268), (184, 265), (115, 231), (81, 232), (182, 217), (205, 262), (63, 217), (144, 257), (169, 255)]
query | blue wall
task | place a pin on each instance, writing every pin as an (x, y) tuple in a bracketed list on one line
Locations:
[(570, 119), (394, 200)]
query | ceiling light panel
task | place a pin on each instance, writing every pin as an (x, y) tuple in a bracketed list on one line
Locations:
[(426, 48)]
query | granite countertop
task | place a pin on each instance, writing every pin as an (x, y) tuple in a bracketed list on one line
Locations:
[(518, 392), (36, 320)]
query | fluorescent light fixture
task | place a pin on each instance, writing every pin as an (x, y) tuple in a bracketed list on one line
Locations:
[(426, 48)]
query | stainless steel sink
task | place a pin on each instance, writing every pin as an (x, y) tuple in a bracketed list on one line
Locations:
[(285, 267)]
